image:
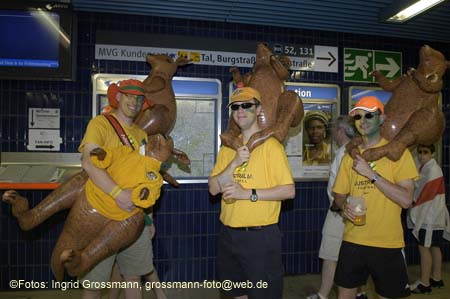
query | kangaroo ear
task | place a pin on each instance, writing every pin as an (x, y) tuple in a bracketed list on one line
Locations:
[(182, 61), (433, 77)]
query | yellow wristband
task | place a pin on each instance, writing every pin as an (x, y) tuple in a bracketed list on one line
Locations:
[(115, 191)]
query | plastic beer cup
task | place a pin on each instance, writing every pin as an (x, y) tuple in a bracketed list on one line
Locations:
[(358, 206)]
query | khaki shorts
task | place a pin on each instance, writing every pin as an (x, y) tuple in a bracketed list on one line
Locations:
[(135, 260), (332, 232)]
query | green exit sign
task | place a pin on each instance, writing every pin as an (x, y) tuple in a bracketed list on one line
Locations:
[(359, 63)]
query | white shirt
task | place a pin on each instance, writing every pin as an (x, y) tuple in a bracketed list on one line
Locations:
[(338, 155)]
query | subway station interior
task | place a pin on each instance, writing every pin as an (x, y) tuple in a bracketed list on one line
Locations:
[(46, 105)]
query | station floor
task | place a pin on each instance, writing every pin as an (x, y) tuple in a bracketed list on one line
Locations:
[(298, 286)]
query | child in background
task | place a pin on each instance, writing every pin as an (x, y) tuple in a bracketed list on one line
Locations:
[(429, 219)]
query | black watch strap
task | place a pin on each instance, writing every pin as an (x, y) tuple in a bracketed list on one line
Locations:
[(375, 178), (254, 196), (334, 207)]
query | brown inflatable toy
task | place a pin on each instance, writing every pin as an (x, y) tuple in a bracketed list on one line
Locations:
[(82, 244), (89, 237), (281, 109), (413, 115), (161, 116)]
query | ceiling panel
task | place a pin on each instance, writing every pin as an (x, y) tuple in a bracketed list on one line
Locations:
[(350, 16)]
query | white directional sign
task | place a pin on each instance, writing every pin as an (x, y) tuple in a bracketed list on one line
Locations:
[(44, 129), (47, 118), (43, 140), (324, 59)]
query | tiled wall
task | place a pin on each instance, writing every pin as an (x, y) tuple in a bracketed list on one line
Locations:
[(187, 217)]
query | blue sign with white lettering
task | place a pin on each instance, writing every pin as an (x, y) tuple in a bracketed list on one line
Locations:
[(191, 87), (357, 92), (314, 91)]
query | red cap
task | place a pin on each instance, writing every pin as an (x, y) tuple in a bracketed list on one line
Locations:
[(130, 86)]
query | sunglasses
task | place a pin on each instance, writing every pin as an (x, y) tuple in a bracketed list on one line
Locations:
[(368, 115), (132, 96), (244, 106)]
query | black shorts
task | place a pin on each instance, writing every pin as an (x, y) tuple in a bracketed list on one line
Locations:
[(251, 255), (386, 266), (430, 238)]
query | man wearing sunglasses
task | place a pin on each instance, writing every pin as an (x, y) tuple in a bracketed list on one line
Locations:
[(374, 248), (252, 186)]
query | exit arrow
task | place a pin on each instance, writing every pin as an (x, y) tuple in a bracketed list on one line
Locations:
[(32, 118), (45, 146), (332, 58), (392, 67)]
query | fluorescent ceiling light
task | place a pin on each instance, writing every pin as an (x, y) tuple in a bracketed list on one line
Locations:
[(413, 10)]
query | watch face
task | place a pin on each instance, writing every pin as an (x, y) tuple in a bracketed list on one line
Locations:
[(253, 197)]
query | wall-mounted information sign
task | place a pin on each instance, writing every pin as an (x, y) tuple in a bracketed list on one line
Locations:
[(359, 63), (198, 110), (209, 51), (44, 129)]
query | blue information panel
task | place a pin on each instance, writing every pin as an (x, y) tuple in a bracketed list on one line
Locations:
[(309, 155), (310, 147), (316, 91), (197, 125), (357, 92)]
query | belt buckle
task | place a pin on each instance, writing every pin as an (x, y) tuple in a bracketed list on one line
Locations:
[(253, 228)]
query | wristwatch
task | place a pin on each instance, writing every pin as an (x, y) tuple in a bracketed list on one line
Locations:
[(375, 178), (254, 196)]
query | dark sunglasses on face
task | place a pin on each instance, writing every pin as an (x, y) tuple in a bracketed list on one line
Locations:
[(244, 106), (368, 115)]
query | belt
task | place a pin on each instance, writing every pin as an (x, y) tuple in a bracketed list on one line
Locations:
[(251, 228)]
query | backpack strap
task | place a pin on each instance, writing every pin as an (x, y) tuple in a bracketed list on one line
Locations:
[(119, 130)]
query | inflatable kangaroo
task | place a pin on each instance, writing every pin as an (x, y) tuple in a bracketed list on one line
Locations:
[(161, 116), (413, 115), (281, 109), (87, 236)]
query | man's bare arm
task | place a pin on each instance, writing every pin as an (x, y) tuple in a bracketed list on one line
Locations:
[(282, 192), (102, 179), (401, 193), (217, 182)]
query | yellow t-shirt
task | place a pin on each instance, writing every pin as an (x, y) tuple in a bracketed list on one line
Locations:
[(129, 170), (101, 132), (383, 226), (267, 167), (323, 159)]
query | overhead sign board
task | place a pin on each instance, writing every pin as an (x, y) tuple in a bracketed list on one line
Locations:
[(324, 59), (359, 63), (220, 52)]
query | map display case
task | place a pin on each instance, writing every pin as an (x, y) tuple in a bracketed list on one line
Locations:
[(197, 126)]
